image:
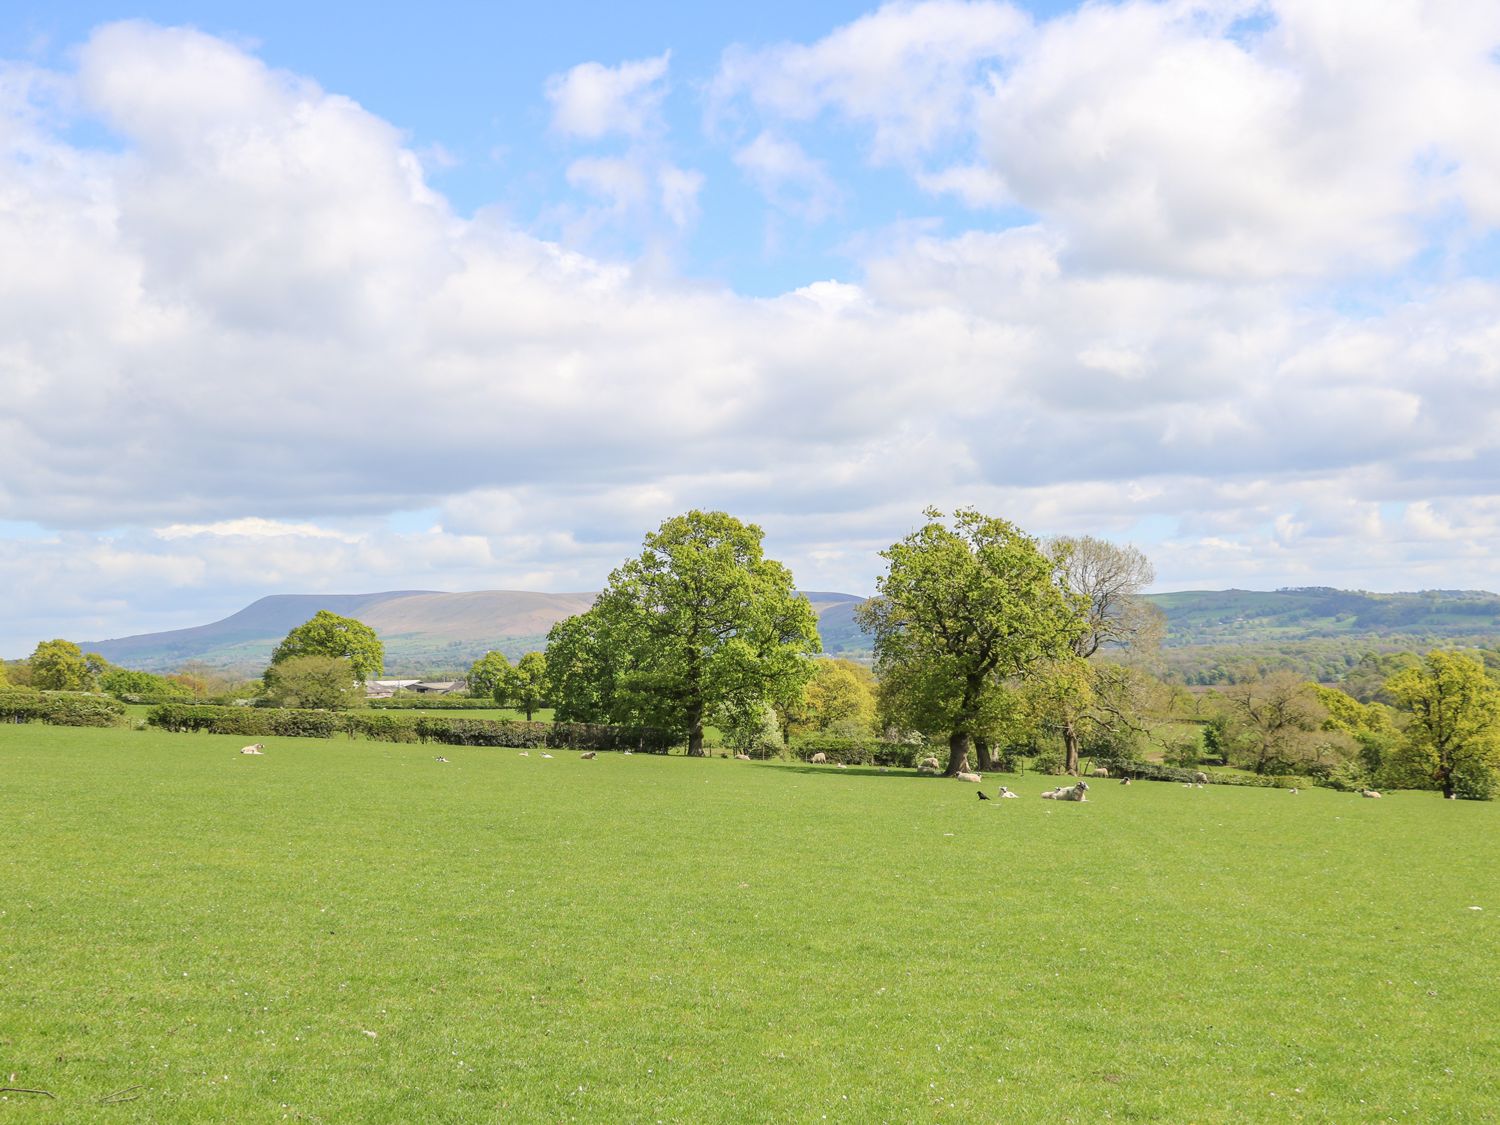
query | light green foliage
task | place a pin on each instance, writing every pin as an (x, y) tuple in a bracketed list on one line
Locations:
[(328, 634), (524, 687), (123, 681), (960, 610), (60, 665), (486, 674), (756, 732), (700, 626), (839, 698), (236, 925), (1454, 732), (314, 681)]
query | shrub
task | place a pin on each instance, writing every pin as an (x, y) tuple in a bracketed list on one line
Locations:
[(858, 751), (413, 702), (382, 728), (1475, 781), (63, 709)]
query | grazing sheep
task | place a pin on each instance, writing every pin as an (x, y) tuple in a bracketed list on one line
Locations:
[(929, 764), (1068, 793), (1201, 777), (1100, 772), (742, 757), (972, 778), (1124, 781), (1369, 793), (819, 759), (589, 754), (254, 748), (1004, 792), (981, 793)]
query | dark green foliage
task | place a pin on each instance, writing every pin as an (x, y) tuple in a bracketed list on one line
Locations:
[(250, 721), (122, 682), (859, 751), (382, 728), (314, 682), (418, 702), (63, 709)]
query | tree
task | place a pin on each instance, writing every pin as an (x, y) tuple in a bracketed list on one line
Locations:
[(1277, 724), (323, 682), (582, 669), (123, 681), (1455, 717), (838, 699), (328, 634), (959, 611), (1107, 580), (524, 686), (60, 665), (700, 624), (487, 673)]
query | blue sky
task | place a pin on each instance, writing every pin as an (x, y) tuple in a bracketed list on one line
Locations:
[(300, 298)]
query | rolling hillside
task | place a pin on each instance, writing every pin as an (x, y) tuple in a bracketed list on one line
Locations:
[(426, 631)]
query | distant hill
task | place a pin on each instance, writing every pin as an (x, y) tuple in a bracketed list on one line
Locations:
[(426, 631)]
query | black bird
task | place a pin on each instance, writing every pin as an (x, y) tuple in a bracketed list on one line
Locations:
[(982, 797)]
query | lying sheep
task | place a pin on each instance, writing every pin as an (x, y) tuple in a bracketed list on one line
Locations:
[(1201, 777), (254, 748), (589, 754), (972, 778), (1068, 793), (1100, 772), (1124, 781), (1004, 792), (928, 764), (819, 759), (742, 757), (1369, 793)]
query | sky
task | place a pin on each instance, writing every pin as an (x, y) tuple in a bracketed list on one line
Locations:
[(300, 298)]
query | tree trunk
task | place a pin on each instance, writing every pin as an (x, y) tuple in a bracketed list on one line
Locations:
[(1070, 748), (982, 753), (958, 752), (695, 732)]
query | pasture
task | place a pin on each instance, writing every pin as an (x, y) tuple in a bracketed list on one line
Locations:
[(353, 931)]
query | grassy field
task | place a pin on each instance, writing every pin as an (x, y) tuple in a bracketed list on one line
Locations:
[(353, 932)]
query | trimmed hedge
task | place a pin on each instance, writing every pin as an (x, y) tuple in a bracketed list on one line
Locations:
[(432, 703), (404, 728), (59, 708), (1151, 771), (858, 751)]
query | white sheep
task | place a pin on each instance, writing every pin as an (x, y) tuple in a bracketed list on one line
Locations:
[(546, 755), (742, 757), (254, 748), (927, 765), (1124, 781), (1004, 792), (819, 759), (1068, 793), (1201, 777), (524, 754), (1292, 790), (440, 759), (840, 765), (589, 754), (1100, 772), (972, 778), (1369, 793)]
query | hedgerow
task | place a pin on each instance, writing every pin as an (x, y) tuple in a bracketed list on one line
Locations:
[(59, 708)]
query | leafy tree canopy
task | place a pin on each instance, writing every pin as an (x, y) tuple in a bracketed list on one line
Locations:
[(324, 682), (60, 665), (699, 625), (1455, 720), (524, 687), (328, 634), (487, 673)]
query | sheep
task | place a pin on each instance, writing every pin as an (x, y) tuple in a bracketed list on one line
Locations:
[(972, 778), (1004, 792), (742, 757), (929, 764), (819, 759), (524, 754), (546, 755), (1100, 772), (1069, 793), (588, 754), (1369, 793), (254, 748), (1200, 777), (840, 765), (1124, 781), (440, 759), (1292, 790)]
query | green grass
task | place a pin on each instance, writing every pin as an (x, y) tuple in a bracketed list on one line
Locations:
[(351, 931)]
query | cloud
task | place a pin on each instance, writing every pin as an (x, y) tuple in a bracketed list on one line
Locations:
[(238, 338), (591, 100), (787, 176), (905, 71)]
